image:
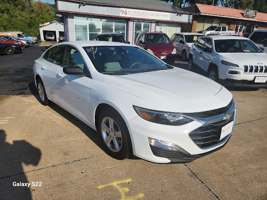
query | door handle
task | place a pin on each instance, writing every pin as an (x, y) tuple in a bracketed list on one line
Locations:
[(60, 74), (43, 68)]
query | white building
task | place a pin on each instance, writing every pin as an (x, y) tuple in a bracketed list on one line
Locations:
[(84, 19), (52, 28)]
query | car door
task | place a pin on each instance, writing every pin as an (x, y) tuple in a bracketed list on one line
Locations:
[(75, 89), (197, 51), (51, 71), (179, 44), (207, 53)]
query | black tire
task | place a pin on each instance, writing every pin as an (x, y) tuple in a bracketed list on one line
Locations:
[(184, 55), (213, 74), (114, 134), (41, 92), (9, 51), (191, 64)]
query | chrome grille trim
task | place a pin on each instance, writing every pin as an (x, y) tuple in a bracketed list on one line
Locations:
[(255, 69), (208, 135)]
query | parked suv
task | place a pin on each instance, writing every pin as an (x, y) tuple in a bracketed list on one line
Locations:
[(231, 60), (259, 37), (183, 42), (157, 43)]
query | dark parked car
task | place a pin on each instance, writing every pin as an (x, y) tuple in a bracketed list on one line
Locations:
[(157, 43), (12, 41), (10, 49), (111, 37)]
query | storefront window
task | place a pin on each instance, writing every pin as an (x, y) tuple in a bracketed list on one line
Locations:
[(120, 27), (80, 28), (107, 26), (94, 28), (140, 26), (167, 28)]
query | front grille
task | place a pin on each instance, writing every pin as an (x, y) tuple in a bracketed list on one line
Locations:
[(209, 134), (255, 68), (211, 113)]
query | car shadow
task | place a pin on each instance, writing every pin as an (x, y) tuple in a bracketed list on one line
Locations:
[(13, 180), (88, 131)]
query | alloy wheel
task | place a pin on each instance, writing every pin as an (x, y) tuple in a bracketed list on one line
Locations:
[(111, 134)]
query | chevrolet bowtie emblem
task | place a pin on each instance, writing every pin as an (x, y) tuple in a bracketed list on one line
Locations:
[(227, 117)]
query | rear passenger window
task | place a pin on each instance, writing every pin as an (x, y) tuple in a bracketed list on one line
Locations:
[(55, 55)]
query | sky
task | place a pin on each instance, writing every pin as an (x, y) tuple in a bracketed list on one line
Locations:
[(49, 1)]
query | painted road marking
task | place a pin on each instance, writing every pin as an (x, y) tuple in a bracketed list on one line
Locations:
[(122, 190)]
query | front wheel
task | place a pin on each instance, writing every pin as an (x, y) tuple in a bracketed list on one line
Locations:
[(213, 74), (190, 64), (114, 134), (9, 51)]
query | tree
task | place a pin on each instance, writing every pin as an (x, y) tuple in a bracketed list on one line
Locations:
[(244, 4), (25, 15), (260, 5)]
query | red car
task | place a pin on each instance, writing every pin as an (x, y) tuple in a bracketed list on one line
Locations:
[(6, 41), (158, 43)]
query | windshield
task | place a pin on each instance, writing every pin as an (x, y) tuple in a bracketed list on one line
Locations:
[(191, 38), (236, 46), (25, 35), (111, 38), (157, 39), (120, 60), (211, 28)]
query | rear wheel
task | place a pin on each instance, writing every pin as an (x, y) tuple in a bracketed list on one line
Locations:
[(9, 51), (41, 92), (114, 134)]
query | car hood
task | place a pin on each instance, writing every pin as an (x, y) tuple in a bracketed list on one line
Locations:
[(160, 47), (174, 90), (245, 58)]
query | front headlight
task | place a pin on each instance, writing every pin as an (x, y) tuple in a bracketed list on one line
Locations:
[(167, 118), (229, 64)]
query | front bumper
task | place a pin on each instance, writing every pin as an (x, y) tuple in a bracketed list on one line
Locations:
[(243, 83), (188, 145)]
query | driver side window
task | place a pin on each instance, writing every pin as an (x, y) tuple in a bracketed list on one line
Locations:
[(72, 57)]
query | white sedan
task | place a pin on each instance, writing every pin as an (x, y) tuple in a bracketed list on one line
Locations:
[(138, 104)]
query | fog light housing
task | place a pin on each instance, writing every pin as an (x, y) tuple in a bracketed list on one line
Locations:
[(233, 72), (163, 144)]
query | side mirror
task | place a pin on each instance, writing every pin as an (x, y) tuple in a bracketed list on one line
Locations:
[(172, 41), (74, 70), (261, 48), (141, 42)]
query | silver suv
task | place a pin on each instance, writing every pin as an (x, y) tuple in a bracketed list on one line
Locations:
[(231, 60)]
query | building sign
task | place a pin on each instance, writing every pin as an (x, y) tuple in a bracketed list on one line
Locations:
[(143, 14), (250, 13)]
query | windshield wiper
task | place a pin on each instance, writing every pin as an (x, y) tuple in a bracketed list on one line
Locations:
[(116, 73)]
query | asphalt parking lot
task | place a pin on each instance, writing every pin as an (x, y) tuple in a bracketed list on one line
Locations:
[(46, 153)]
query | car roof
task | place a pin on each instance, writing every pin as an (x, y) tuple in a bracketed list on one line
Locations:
[(160, 33), (119, 34), (188, 33), (261, 30), (93, 43), (225, 37)]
